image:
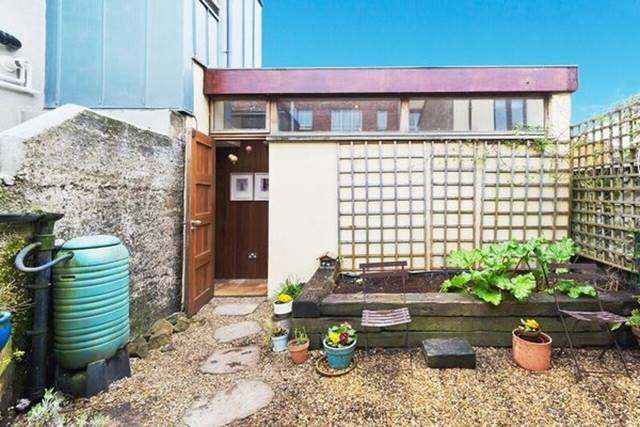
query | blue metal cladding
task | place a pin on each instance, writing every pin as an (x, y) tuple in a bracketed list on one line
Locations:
[(119, 54)]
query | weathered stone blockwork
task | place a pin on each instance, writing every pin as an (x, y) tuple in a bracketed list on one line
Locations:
[(109, 177)]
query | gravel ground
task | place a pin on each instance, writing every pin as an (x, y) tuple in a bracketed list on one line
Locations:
[(391, 388)]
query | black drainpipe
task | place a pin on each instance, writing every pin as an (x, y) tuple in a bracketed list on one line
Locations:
[(44, 242)]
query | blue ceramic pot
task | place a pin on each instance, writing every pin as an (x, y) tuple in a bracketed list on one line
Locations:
[(339, 358), (279, 344), (5, 328)]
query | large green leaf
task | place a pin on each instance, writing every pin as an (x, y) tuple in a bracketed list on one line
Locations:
[(503, 282), (488, 294), (573, 289), (522, 286), (561, 250), (456, 283), (464, 258)]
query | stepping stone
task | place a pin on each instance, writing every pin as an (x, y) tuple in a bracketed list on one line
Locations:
[(237, 330), (231, 360), (449, 353), (239, 401), (239, 309)]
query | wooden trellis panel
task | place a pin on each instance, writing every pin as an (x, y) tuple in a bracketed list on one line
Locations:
[(605, 160), (418, 200)]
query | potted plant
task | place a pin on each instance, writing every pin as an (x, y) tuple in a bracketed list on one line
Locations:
[(289, 290), (5, 327), (283, 304), (531, 348), (299, 346), (279, 337), (339, 344)]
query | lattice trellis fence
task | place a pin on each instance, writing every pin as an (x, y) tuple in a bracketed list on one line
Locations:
[(605, 159), (418, 200)]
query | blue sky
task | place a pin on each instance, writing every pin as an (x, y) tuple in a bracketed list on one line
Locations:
[(601, 37)]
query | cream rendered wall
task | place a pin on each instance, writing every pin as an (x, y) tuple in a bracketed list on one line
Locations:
[(303, 219), (559, 116), (26, 21), (201, 109)]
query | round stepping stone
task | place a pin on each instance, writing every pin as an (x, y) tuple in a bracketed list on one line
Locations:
[(231, 360), (237, 330), (239, 401), (239, 309)]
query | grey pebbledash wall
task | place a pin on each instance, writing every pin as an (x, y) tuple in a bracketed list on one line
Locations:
[(108, 177)]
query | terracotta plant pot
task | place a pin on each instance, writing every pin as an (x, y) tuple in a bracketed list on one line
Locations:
[(533, 356), (298, 352), (636, 332)]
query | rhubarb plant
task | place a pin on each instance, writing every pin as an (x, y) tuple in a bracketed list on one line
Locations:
[(493, 271)]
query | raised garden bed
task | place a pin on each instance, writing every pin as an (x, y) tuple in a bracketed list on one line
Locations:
[(429, 281), (440, 315)]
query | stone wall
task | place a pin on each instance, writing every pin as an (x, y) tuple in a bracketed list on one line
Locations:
[(107, 177)]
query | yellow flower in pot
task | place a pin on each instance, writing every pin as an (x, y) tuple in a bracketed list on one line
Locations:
[(531, 348), (283, 301), (284, 298)]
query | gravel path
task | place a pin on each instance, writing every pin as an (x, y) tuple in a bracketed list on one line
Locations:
[(387, 388)]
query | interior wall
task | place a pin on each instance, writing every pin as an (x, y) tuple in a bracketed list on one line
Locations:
[(241, 226)]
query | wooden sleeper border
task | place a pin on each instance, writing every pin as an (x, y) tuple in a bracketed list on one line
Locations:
[(440, 315)]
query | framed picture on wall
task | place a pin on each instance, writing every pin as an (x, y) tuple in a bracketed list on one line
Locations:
[(261, 189), (241, 186)]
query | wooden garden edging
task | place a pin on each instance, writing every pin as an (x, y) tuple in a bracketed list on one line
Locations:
[(439, 315)]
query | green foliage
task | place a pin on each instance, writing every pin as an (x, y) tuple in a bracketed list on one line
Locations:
[(291, 286), (492, 271), (300, 335), (573, 289), (47, 413), (464, 258), (14, 294), (634, 320), (538, 142)]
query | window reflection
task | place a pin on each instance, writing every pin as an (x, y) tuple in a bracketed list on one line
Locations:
[(338, 115), (476, 115), (240, 114)]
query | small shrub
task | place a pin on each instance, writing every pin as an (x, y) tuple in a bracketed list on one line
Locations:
[(47, 413), (291, 286), (300, 336)]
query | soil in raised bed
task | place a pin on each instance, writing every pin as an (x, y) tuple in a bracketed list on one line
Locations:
[(429, 281)]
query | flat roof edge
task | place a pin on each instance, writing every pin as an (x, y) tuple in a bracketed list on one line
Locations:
[(391, 80)]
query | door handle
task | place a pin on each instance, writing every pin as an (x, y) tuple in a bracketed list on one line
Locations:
[(195, 223)]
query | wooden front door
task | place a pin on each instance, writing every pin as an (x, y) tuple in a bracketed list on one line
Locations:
[(241, 222), (200, 222)]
